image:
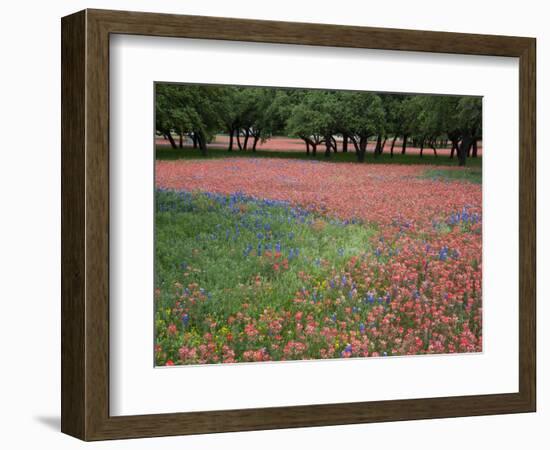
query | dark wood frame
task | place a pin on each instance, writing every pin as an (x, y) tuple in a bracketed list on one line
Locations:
[(85, 224)]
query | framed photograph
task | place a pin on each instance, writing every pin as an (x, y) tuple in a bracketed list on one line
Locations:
[(272, 225)]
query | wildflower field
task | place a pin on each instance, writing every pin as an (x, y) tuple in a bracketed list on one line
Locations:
[(261, 259)]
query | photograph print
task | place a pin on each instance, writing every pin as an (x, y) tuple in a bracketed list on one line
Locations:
[(307, 224)]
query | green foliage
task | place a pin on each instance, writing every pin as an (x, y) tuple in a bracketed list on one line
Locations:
[(472, 175), (256, 111), (363, 114), (188, 109), (220, 235), (315, 116), (469, 115)]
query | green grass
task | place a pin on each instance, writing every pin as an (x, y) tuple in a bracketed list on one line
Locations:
[(167, 153), (223, 245), (469, 174)]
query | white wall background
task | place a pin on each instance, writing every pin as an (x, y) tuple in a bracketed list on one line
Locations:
[(30, 221)]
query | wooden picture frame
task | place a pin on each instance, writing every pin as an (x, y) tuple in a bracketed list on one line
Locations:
[(85, 224)]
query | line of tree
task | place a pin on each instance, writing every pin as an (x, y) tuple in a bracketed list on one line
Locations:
[(250, 115)]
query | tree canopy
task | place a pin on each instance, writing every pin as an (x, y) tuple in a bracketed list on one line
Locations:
[(252, 114)]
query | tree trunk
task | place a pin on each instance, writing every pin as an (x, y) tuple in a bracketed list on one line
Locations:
[(474, 149), (377, 149), (201, 138), (194, 137), (354, 142), (422, 148), (239, 139), (334, 145), (454, 146), (256, 139), (404, 147), (168, 136), (345, 144), (383, 145), (392, 145), (314, 148), (307, 147), (328, 145), (231, 133), (434, 149), (463, 150), (362, 149), (180, 140), (246, 136)]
